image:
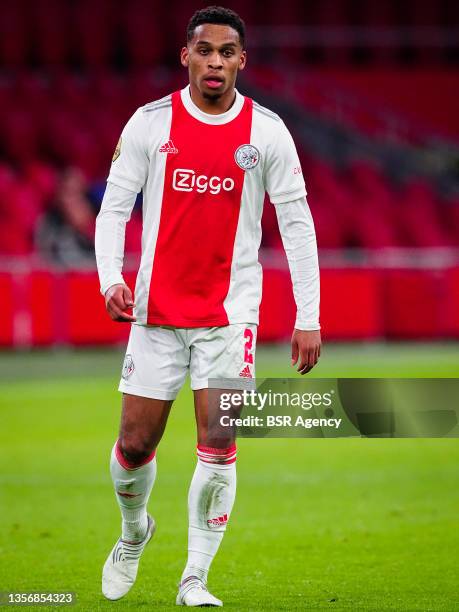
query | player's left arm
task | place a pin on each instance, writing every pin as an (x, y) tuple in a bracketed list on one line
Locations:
[(299, 239), (285, 185)]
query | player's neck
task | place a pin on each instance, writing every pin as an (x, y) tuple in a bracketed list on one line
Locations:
[(213, 106)]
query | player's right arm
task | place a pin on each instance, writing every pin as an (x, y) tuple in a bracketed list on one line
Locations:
[(128, 175)]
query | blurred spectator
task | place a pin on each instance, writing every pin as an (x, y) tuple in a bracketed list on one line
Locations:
[(65, 233)]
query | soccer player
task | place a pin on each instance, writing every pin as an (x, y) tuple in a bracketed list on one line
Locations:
[(203, 157)]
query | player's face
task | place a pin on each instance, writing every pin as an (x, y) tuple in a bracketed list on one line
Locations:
[(213, 58)]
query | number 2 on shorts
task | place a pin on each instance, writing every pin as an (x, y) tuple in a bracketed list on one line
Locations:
[(248, 334)]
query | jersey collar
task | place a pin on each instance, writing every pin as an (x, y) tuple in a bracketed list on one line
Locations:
[(200, 115)]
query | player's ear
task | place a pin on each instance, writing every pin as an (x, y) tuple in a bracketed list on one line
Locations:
[(184, 56), (243, 60)]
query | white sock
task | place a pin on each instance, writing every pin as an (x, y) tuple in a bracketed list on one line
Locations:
[(210, 501), (133, 486)]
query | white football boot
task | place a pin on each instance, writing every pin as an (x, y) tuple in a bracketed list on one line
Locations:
[(120, 569), (193, 592)]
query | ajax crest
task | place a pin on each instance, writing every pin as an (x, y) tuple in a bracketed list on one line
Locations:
[(128, 367), (247, 156)]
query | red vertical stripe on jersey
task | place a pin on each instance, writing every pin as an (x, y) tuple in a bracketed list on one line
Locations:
[(199, 217)]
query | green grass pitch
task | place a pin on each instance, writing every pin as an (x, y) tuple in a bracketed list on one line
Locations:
[(323, 524)]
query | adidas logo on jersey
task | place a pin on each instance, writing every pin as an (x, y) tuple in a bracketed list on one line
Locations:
[(220, 520), (245, 372), (168, 147)]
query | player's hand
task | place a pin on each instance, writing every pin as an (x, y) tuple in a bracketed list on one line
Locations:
[(118, 298), (305, 349)]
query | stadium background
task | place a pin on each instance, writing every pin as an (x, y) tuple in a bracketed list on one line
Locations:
[(370, 93)]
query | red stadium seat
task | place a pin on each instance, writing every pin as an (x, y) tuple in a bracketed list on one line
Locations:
[(7, 180), (329, 13), (93, 32), (332, 204), (20, 136), (375, 215), (420, 211), (20, 207), (144, 33), (331, 232), (42, 178), (15, 30), (52, 24), (25, 205)]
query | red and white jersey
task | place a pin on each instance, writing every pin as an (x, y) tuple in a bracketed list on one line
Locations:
[(204, 179)]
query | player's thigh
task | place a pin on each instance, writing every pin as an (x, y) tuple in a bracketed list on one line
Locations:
[(143, 421), (209, 431)]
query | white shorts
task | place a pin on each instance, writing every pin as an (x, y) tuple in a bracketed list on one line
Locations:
[(158, 358)]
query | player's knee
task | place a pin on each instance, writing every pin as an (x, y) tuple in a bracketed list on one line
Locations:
[(135, 449)]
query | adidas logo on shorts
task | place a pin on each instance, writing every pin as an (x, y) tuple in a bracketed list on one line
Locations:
[(245, 372)]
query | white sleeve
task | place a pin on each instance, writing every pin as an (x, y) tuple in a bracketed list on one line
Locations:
[(130, 161), (299, 239), (283, 176), (115, 212)]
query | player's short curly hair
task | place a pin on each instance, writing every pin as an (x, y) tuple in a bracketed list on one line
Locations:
[(217, 15)]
